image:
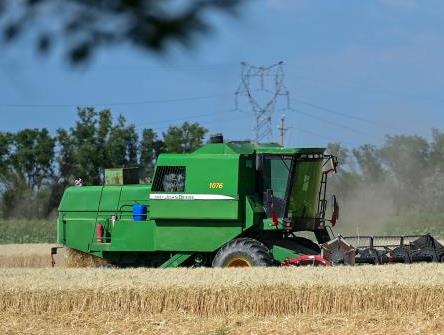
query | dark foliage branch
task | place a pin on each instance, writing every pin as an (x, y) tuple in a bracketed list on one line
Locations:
[(87, 25)]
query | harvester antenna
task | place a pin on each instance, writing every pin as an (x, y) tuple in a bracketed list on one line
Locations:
[(264, 87)]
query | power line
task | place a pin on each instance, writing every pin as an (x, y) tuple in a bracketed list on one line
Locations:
[(195, 116), (113, 104), (329, 139), (218, 121), (339, 125), (329, 110)]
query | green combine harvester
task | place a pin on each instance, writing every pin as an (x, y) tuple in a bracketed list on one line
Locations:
[(224, 205)]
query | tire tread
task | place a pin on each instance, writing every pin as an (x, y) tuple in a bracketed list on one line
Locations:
[(254, 249)]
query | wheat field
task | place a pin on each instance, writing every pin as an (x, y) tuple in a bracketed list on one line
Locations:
[(389, 299), (32, 255), (216, 292), (38, 256), (371, 323)]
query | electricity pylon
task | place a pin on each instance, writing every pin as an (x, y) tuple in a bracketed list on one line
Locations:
[(263, 87)]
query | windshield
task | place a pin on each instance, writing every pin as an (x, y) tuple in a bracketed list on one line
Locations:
[(304, 196)]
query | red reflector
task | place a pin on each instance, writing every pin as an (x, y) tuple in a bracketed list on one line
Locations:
[(99, 233), (274, 217)]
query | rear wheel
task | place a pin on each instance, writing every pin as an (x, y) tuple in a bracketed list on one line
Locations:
[(243, 252)]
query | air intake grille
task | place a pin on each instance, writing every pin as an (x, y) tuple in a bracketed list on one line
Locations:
[(169, 179)]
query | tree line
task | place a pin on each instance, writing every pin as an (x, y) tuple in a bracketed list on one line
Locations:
[(404, 174), (36, 167)]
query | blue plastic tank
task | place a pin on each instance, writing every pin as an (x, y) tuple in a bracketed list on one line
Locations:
[(139, 212)]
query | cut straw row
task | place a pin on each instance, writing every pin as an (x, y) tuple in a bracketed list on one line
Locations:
[(213, 301)]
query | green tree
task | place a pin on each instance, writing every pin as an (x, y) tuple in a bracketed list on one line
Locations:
[(33, 177), (341, 153), (5, 151), (185, 138), (122, 145), (88, 154), (407, 157), (28, 158), (150, 147), (437, 150), (370, 164), (104, 129), (346, 180), (96, 143), (66, 157), (33, 156)]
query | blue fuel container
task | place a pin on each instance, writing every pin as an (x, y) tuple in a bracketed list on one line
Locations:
[(139, 212)]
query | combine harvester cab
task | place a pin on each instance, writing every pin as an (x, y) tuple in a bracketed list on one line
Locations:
[(225, 205)]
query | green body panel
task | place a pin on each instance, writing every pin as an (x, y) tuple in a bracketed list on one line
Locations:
[(129, 235), (253, 213), (194, 209), (220, 201), (81, 199), (60, 230), (201, 187), (132, 194), (203, 236), (78, 230), (78, 212), (109, 201)]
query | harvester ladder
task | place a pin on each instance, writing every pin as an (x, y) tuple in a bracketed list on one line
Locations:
[(176, 260), (322, 203)]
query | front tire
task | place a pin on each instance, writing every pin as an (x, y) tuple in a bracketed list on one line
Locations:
[(243, 252)]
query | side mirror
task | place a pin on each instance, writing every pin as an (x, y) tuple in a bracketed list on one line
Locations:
[(333, 163), (269, 195), (335, 215)]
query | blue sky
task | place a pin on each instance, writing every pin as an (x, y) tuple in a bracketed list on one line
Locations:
[(356, 70)]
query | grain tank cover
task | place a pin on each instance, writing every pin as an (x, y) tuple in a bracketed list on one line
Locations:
[(217, 138), (122, 176)]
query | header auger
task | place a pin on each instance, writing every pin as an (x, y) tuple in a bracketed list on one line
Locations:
[(225, 205)]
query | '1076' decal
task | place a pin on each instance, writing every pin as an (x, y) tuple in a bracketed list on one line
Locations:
[(216, 185)]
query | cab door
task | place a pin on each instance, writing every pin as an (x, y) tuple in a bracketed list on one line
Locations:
[(275, 181)]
